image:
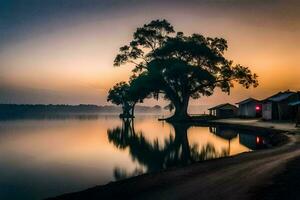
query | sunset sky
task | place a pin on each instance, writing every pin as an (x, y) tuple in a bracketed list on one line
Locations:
[(56, 51)]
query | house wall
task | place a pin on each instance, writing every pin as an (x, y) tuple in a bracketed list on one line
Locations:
[(267, 111), (227, 113), (247, 109), (279, 110), (218, 114), (286, 112), (283, 111), (213, 112), (224, 112), (242, 110), (275, 112)]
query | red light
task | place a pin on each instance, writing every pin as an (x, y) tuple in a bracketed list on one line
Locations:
[(257, 140), (257, 108)]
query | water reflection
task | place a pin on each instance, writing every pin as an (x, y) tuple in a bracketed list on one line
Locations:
[(249, 140), (176, 150), (48, 157)]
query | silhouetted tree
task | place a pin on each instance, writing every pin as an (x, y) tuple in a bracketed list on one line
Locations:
[(128, 95), (119, 95), (181, 67)]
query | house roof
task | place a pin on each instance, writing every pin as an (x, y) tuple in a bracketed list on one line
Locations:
[(296, 103), (280, 96), (247, 101), (221, 106)]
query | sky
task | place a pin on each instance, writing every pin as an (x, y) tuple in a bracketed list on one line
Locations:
[(62, 51)]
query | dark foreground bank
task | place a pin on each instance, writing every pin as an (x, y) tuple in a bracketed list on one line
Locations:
[(238, 177), (285, 185)]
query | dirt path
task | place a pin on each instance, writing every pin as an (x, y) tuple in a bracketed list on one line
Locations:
[(227, 178), (283, 186)]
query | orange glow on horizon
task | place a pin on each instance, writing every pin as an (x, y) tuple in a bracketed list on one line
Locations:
[(77, 60)]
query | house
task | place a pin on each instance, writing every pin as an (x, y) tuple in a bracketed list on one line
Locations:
[(279, 106), (250, 108), (226, 110), (296, 107)]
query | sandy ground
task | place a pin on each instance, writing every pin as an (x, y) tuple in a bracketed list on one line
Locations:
[(245, 176)]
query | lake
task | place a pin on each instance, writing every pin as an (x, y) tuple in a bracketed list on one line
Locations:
[(46, 157)]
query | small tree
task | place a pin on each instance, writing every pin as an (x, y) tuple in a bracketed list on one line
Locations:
[(119, 95), (181, 67), (128, 95)]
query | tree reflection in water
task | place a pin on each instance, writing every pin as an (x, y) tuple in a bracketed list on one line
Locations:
[(176, 151)]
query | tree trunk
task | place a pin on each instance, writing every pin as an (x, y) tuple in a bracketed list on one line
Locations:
[(128, 111), (181, 108), (132, 110), (181, 141), (123, 114)]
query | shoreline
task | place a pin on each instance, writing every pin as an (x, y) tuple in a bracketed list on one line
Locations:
[(234, 177)]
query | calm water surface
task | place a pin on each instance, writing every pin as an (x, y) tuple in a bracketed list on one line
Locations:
[(47, 157)]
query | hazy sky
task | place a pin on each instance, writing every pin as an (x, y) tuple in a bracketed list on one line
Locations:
[(56, 51)]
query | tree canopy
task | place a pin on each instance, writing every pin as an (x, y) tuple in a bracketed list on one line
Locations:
[(178, 67), (129, 94)]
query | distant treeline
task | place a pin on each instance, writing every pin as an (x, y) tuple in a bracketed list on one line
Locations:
[(11, 110)]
